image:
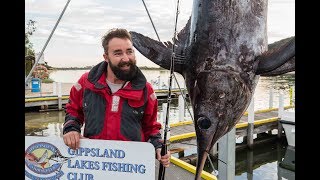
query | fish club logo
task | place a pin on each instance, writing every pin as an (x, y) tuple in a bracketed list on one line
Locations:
[(43, 160)]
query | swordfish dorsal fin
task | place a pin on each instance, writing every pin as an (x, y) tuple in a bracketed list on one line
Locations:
[(279, 59), (161, 52)]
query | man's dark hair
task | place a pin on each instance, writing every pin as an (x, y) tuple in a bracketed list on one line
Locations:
[(114, 33)]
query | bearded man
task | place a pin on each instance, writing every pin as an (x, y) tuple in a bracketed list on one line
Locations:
[(114, 101)]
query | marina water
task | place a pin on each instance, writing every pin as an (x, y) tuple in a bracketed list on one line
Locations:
[(265, 158)]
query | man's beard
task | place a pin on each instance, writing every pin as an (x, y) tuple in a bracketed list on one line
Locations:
[(125, 75)]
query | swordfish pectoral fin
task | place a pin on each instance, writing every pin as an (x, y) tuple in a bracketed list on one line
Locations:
[(154, 50), (279, 59), (289, 66)]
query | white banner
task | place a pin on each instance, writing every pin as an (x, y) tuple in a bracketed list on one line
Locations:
[(49, 158)]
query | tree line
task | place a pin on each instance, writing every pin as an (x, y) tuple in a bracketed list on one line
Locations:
[(29, 60)]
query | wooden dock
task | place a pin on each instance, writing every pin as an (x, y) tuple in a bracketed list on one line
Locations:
[(46, 100)]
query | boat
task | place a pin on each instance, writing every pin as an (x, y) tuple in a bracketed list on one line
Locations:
[(287, 121), (286, 168)]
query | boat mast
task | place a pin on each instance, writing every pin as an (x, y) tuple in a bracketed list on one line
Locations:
[(44, 47)]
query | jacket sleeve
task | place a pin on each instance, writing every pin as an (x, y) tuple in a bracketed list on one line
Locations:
[(74, 114), (150, 126)]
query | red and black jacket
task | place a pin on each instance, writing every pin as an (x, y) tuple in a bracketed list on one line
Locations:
[(130, 114)]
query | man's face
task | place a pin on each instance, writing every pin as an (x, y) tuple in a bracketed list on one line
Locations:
[(121, 58)]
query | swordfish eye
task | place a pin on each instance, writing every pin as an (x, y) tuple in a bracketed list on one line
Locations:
[(204, 123)]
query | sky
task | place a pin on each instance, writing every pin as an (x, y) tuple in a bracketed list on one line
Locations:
[(76, 42)]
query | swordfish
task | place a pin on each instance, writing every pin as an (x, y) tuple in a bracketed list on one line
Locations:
[(221, 53)]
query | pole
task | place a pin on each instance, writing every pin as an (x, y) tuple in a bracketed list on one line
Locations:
[(44, 47), (270, 98), (181, 108), (280, 112), (291, 96), (250, 124), (227, 155), (164, 148)]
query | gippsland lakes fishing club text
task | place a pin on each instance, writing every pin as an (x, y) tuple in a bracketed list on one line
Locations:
[(104, 165)]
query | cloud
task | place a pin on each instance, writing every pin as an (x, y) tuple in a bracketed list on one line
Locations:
[(85, 22)]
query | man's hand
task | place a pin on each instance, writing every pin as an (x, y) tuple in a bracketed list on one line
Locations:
[(72, 139), (164, 160)]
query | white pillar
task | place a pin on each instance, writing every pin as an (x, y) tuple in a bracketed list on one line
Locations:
[(250, 124), (59, 96), (227, 156), (271, 98), (281, 104), (251, 111), (181, 108), (280, 112)]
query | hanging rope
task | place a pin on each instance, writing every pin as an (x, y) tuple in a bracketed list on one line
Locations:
[(151, 20), (155, 30)]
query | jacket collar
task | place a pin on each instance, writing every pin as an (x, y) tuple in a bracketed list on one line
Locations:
[(97, 76)]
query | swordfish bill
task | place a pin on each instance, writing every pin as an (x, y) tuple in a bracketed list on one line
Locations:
[(222, 51)]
